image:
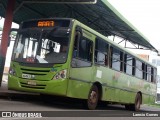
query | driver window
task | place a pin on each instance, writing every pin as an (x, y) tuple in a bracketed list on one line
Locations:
[(82, 51)]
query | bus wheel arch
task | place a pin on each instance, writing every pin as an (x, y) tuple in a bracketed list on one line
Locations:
[(99, 85)]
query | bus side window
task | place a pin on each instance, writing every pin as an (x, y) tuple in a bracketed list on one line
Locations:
[(139, 72), (152, 74), (134, 67), (82, 51), (110, 56), (85, 49), (75, 49), (122, 61), (116, 59), (149, 73), (155, 75), (101, 52), (128, 65), (144, 71)]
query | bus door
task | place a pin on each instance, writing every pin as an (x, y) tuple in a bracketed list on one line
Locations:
[(81, 72)]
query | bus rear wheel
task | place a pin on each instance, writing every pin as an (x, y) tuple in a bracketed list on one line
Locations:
[(93, 96), (137, 104)]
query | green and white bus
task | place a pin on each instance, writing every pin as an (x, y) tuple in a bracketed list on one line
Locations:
[(62, 56)]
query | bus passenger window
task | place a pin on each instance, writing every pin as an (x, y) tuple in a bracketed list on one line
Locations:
[(85, 50), (138, 69), (101, 52), (152, 75), (128, 64), (144, 71), (148, 73), (122, 61), (82, 52), (75, 49), (116, 61)]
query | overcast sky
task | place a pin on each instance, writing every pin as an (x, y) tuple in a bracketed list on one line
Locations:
[(144, 15), (14, 25)]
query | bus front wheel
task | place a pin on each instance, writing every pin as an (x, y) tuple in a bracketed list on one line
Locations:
[(93, 96)]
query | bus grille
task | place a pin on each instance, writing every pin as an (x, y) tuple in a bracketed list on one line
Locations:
[(34, 72), (33, 86)]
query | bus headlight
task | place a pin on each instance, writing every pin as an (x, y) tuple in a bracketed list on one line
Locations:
[(12, 71), (60, 75)]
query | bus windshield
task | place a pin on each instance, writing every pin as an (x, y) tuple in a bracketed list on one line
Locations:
[(35, 45)]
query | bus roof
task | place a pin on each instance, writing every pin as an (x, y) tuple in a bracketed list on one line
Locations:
[(102, 17)]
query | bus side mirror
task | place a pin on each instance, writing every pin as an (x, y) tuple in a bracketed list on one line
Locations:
[(12, 34)]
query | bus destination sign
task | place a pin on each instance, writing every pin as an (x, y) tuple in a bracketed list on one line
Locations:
[(46, 24)]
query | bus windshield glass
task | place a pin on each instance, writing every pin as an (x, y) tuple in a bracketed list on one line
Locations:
[(37, 45)]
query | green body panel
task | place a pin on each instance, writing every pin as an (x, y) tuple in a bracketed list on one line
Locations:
[(78, 89), (120, 87), (45, 87), (116, 86), (44, 82)]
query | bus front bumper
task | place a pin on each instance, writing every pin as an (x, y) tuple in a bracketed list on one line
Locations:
[(52, 87)]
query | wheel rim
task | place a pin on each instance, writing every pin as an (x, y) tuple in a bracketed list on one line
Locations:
[(138, 103), (93, 97)]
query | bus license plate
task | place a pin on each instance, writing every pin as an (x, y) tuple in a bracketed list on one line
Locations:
[(31, 83), (26, 76)]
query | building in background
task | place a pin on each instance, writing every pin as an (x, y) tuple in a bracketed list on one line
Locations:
[(144, 56)]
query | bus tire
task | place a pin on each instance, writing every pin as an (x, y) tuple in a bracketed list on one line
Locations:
[(93, 97), (137, 104)]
